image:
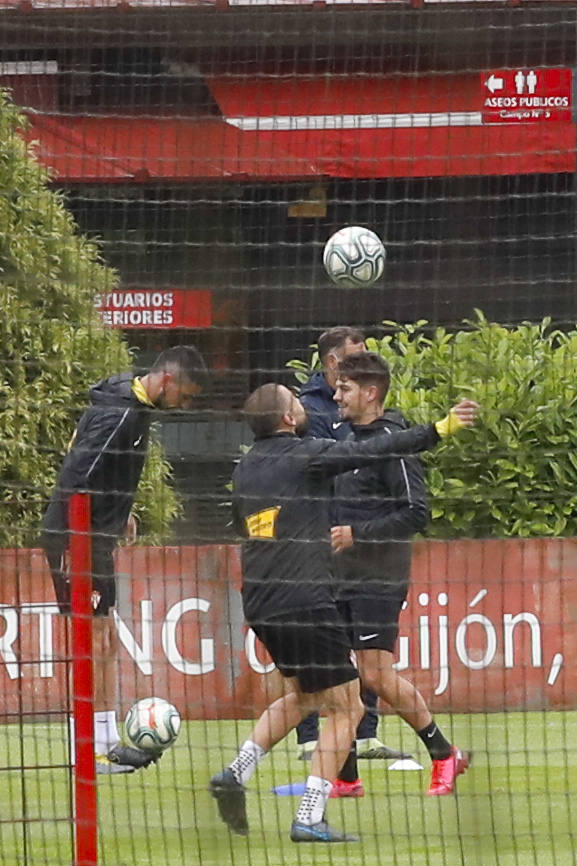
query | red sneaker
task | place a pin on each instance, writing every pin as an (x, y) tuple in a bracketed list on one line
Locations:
[(348, 789), (445, 772)]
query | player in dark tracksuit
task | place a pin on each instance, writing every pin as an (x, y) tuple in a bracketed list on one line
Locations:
[(317, 396), (281, 490), (106, 459), (377, 510)]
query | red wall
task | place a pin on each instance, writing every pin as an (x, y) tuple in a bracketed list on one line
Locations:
[(488, 625)]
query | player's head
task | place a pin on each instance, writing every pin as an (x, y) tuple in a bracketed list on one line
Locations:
[(273, 408), (362, 384), (177, 376), (334, 345)]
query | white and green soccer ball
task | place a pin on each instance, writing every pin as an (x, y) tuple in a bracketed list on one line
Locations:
[(354, 257), (152, 724)]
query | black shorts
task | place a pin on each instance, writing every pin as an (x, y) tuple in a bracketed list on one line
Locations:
[(55, 544), (311, 645), (373, 621)]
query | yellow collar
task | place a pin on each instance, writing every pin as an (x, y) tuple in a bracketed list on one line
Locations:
[(140, 392)]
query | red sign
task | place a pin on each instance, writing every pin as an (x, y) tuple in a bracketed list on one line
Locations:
[(155, 308), (527, 95), (489, 625)]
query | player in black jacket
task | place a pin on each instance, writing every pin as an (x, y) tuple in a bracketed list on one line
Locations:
[(378, 509), (317, 397), (106, 459), (281, 490)]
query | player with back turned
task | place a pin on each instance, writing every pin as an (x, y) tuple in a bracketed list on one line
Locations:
[(106, 459), (377, 509), (281, 490)]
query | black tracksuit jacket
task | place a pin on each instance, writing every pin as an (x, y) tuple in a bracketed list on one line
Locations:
[(281, 490), (106, 458), (386, 504)]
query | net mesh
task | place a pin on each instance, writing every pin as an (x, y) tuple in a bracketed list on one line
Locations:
[(169, 175)]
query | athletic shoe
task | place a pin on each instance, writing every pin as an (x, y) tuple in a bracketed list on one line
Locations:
[(373, 749), (347, 789), (105, 767), (231, 799), (137, 758), (445, 772), (320, 832), (305, 750)]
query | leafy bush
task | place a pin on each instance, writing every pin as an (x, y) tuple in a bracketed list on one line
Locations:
[(516, 474), (52, 343)]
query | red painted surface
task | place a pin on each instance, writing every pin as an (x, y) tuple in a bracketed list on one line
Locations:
[(86, 796), (489, 625), (157, 308), (276, 127), (122, 5), (527, 95)]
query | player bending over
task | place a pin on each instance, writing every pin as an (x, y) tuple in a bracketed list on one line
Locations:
[(280, 505), (106, 459)]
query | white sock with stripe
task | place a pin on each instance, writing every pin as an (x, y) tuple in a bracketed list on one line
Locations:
[(106, 732), (314, 801), (246, 761)]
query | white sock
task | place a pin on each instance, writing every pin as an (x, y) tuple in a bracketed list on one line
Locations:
[(246, 761), (106, 732), (72, 729), (314, 801)]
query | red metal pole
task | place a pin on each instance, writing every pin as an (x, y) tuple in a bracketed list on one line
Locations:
[(86, 794)]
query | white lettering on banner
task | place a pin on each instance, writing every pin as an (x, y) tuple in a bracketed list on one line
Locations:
[(170, 648), (252, 657), (403, 652), (434, 636), (10, 635), (136, 309), (45, 611), (527, 102), (476, 664), (443, 655), (142, 655), (120, 300), (137, 317), (425, 647), (509, 623)]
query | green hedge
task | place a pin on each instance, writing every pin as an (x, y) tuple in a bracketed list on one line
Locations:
[(516, 474)]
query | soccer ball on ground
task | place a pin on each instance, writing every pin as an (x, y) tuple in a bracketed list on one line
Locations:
[(152, 724), (354, 256)]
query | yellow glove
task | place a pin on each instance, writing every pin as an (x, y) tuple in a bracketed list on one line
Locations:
[(450, 425)]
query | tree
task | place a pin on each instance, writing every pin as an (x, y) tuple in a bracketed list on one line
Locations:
[(52, 343), (516, 474)]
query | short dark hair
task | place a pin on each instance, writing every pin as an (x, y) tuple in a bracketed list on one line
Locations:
[(335, 338), (187, 359), (367, 368), (264, 408)]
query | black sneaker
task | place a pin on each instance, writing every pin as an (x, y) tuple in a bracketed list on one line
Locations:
[(127, 755), (106, 767), (321, 832), (231, 799), (373, 749)]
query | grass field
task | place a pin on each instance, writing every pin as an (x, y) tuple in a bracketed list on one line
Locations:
[(516, 806)]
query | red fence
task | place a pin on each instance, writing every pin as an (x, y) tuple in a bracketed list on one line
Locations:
[(488, 625)]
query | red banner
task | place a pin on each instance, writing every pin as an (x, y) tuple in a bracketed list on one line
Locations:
[(276, 127), (527, 95), (155, 308), (489, 625)]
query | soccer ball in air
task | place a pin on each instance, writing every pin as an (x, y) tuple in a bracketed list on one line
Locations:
[(354, 257), (152, 724)]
